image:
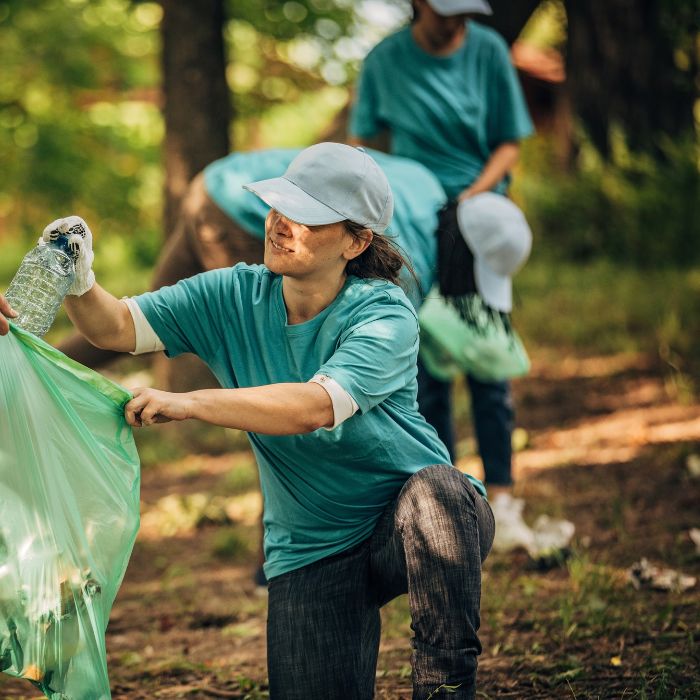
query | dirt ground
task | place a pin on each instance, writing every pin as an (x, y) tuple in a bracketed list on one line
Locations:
[(608, 446)]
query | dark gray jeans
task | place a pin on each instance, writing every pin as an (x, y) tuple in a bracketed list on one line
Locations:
[(323, 619)]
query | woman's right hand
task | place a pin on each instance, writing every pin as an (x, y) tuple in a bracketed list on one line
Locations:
[(80, 242), (6, 311)]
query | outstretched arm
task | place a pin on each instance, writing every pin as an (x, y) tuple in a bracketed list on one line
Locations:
[(103, 319), (274, 409)]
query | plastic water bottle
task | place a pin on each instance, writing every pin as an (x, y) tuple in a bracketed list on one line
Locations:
[(42, 281)]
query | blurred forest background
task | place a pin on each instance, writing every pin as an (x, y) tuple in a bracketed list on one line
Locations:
[(109, 107)]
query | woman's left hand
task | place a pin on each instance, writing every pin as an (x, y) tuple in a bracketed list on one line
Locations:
[(153, 406)]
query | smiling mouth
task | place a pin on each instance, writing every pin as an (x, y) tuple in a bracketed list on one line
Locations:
[(279, 247)]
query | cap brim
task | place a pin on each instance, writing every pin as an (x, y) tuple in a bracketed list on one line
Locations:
[(496, 290), (291, 201)]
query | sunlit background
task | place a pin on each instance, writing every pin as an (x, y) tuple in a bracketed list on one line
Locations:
[(607, 305)]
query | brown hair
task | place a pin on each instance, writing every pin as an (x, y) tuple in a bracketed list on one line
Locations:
[(383, 259)]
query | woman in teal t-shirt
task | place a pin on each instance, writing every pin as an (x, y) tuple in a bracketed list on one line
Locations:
[(445, 91), (316, 355)]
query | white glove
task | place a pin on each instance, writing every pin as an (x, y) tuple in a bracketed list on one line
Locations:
[(80, 243)]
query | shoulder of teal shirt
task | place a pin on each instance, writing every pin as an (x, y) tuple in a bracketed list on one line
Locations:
[(191, 316), (487, 35), (390, 43), (505, 87), (371, 293)]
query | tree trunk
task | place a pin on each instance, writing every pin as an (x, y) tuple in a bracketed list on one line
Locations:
[(621, 69), (197, 115), (509, 17), (197, 107)]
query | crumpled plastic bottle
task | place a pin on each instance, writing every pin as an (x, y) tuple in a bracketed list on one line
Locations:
[(511, 530), (547, 538), (41, 283), (550, 536)]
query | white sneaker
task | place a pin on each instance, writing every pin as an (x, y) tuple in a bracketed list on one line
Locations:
[(511, 530)]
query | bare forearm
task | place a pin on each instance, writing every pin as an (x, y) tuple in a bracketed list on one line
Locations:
[(274, 409), (497, 167), (103, 319)]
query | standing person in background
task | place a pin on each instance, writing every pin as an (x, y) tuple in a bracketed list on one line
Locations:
[(446, 92)]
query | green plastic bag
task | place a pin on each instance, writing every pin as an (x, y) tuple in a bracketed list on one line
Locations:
[(485, 347), (69, 513)]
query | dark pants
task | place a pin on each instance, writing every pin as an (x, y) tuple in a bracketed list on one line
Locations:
[(323, 619), (493, 415)]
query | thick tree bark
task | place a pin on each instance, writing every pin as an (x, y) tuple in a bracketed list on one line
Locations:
[(197, 107), (509, 17), (621, 69), (197, 114)]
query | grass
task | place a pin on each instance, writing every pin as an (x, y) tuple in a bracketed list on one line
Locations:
[(581, 630), (603, 308), (233, 544)]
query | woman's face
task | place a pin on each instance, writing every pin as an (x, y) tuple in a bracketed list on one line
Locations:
[(297, 250)]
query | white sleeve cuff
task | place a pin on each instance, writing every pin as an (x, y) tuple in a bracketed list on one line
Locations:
[(146, 338), (344, 405)]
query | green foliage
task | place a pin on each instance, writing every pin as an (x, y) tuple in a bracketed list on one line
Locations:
[(603, 307), (232, 544), (546, 28), (80, 123), (241, 479), (592, 590), (287, 63), (633, 209), (325, 19), (72, 135)]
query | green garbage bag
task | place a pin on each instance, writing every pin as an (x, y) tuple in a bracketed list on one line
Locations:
[(69, 513), (485, 346)]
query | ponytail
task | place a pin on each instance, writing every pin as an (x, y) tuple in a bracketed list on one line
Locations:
[(382, 259)]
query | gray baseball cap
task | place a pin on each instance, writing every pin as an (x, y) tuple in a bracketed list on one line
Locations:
[(327, 183), (447, 8), (498, 235)]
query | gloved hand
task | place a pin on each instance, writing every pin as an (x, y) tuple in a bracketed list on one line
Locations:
[(80, 243)]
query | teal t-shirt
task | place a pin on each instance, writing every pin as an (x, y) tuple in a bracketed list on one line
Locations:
[(323, 491), (447, 112), (418, 196)]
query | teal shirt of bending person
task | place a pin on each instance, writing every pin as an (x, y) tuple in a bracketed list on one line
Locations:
[(447, 112), (418, 196), (323, 491)]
